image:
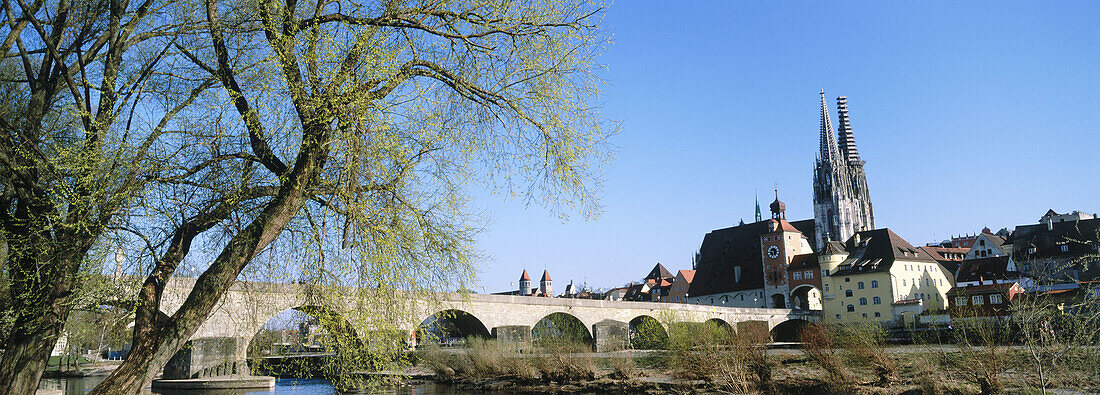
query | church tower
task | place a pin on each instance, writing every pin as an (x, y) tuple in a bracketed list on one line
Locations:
[(842, 203)]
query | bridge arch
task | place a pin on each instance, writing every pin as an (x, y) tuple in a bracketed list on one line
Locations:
[(789, 330), (450, 326), (647, 333), (320, 329), (561, 326), (806, 297)]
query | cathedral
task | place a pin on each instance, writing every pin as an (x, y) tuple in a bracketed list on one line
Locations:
[(842, 203), (775, 263)]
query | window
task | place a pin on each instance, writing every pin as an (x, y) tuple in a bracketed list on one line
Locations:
[(981, 242), (984, 254), (960, 301), (876, 300), (808, 274), (903, 282), (1031, 250), (1065, 248), (847, 279), (796, 276), (851, 308), (848, 293), (928, 282), (977, 300), (826, 274), (995, 299), (874, 283), (864, 315), (826, 287), (860, 285), (862, 301), (877, 314), (838, 316)]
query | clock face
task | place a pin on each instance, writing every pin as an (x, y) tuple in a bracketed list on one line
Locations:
[(773, 252)]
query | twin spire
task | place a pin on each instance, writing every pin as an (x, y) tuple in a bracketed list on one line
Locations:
[(834, 152)]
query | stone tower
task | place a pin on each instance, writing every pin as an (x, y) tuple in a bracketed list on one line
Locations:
[(524, 283), (842, 202)]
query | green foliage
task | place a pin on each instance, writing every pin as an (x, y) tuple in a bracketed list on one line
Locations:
[(648, 334)]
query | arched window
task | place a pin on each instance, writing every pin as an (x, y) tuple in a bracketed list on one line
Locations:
[(848, 293), (860, 285), (876, 300), (862, 301), (877, 314), (851, 308), (874, 283)]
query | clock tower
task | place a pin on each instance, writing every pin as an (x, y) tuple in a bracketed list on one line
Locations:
[(777, 247)]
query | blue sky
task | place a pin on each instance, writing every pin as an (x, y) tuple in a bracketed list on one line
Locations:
[(968, 114)]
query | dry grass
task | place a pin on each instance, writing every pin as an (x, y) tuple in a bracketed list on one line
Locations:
[(729, 362), (818, 343)]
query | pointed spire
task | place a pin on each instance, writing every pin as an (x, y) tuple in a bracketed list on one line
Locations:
[(758, 217), (828, 141), (524, 276), (846, 141), (545, 276)]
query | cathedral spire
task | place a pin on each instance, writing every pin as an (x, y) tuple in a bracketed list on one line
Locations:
[(828, 152), (758, 217), (847, 142)]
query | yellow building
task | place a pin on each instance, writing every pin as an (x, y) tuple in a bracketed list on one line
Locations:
[(877, 276)]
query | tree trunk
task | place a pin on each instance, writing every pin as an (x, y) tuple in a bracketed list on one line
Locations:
[(26, 355)]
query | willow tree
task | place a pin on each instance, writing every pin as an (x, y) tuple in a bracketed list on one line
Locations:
[(82, 110), (362, 127)]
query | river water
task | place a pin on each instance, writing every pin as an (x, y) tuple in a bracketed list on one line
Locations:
[(81, 385)]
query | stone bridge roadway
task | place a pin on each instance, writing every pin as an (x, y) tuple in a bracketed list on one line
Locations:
[(222, 341)]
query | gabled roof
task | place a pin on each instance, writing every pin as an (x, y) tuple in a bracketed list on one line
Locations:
[(658, 272), (833, 248), (738, 246), (985, 269), (983, 288), (524, 276), (545, 276), (876, 250), (688, 275), (948, 263)]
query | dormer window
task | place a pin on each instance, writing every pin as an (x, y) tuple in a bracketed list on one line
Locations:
[(1065, 248)]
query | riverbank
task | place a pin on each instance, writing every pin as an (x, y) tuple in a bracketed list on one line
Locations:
[(914, 370)]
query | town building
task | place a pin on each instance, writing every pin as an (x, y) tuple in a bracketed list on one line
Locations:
[(679, 290), (1057, 254), (876, 276), (987, 244), (986, 299), (1073, 216), (985, 270), (949, 258), (749, 265)]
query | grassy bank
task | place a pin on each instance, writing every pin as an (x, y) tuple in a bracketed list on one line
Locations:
[(708, 360)]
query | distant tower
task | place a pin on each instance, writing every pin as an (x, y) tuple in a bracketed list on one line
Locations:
[(842, 202), (779, 209), (758, 217), (524, 283), (545, 285)]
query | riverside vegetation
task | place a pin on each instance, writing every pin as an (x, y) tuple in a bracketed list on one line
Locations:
[(976, 357)]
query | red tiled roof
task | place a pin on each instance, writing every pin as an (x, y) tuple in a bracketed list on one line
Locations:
[(545, 276), (688, 275), (524, 277)]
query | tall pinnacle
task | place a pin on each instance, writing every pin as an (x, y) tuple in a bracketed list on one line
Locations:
[(758, 217), (847, 142), (829, 152)]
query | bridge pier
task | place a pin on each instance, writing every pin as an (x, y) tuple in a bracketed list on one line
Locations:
[(211, 363), (611, 335)]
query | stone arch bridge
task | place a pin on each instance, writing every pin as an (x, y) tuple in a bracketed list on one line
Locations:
[(220, 344)]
